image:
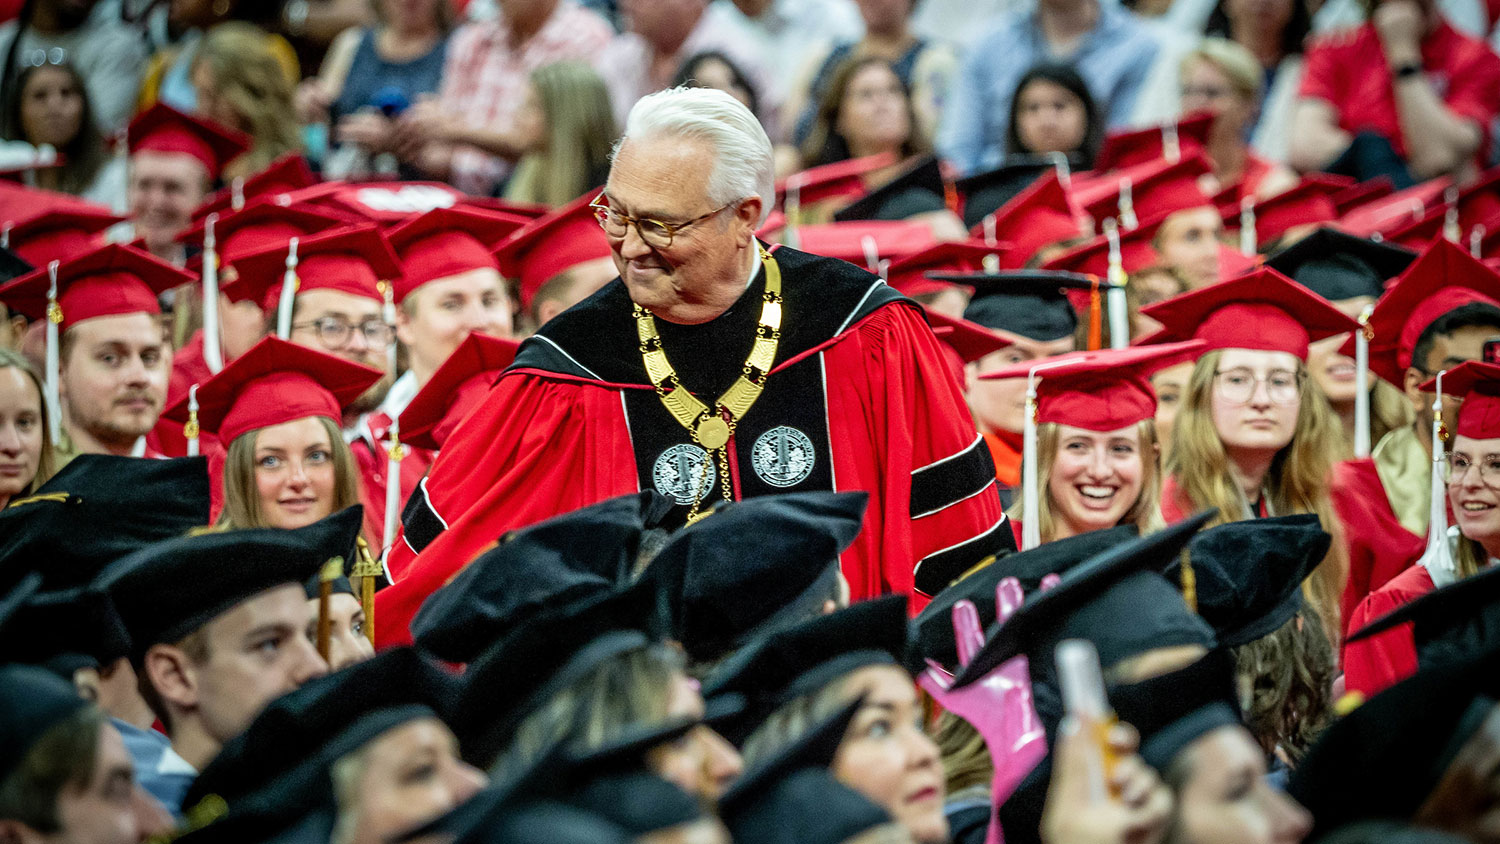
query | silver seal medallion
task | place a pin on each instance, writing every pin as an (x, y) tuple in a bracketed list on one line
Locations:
[(681, 469), (783, 456)]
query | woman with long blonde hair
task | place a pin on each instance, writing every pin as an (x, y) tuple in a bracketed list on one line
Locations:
[(1255, 437), (243, 84), (568, 130)]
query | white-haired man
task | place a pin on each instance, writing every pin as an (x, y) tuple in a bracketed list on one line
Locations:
[(715, 369)]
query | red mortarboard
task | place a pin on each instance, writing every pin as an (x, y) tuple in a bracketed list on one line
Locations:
[(1263, 310), (1144, 191), (448, 241), (970, 340), (274, 382), (1092, 256), (1394, 210), (112, 280), (386, 202), (1478, 384), (1358, 194), (1125, 149), (352, 259), (58, 234), (1100, 391), (287, 173), (1307, 203), (457, 387), (261, 224), (1442, 278), (839, 180), (1234, 263), (162, 128), (908, 274), (888, 239), (548, 245), (1041, 215)]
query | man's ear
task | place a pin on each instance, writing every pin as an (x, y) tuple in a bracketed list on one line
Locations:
[(171, 673), (1412, 381), (748, 214)]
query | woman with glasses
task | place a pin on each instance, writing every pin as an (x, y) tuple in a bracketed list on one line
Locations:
[(1472, 477), (1254, 437)]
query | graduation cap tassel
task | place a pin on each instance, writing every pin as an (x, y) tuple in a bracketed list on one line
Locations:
[(190, 429), (288, 293), (54, 323), (367, 569), (237, 193), (213, 351), (1476, 241), (1031, 524), (1127, 205), (1247, 226), (1362, 384), (990, 238), (1096, 317), (5, 235), (395, 451), (1451, 229), (1119, 314), (1171, 145), (872, 253), (332, 570), (1064, 169), (1436, 558), (388, 313)]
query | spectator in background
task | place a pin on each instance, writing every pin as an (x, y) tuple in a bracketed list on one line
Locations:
[(1223, 77), (713, 69), (1404, 95), (659, 36), (1110, 48), (865, 110), (467, 134), (1275, 32), (242, 85), (169, 72), (49, 105), (1052, 111), (568, 131), (783, 33), (108, 55), (926, 68), (369, 69)]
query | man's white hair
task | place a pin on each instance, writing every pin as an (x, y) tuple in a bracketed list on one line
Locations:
[(743, 163)]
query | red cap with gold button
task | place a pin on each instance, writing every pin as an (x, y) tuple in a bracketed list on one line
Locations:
[(162, 128), (457, 387), (261, 224), (447, 241), (1478, 384), (109, 281), (546, 246), (1263, 310), (273, 383), (1100, 391)]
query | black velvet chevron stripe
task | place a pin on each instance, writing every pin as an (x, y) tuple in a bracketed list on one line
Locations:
[(421, 524), (935, 571), (950, 481)]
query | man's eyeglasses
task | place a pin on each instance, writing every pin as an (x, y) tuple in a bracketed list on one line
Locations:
[(335, 333), (1283, 386), (1456, 466), (656, 234)]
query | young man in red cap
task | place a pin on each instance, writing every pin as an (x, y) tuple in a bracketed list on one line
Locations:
[(558, 260), (175, 159), (111, 380), (714, 370)]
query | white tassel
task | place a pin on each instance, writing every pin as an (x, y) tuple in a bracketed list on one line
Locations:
[(138, 448), (1362, 385), (1171, 146), (1127, 205), (990, 238), (1476, 241), (1031, 525), (54, 321), (288, 293), (213, 350), (1438, 559), (1248, 240), (388, 313), (190, 430), (1115, 304), (237, 193), (1451, 229), (395, 451), (1064, 169), (872, 253)]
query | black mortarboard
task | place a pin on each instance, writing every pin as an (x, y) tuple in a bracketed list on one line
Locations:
[(260, 826), (553, 650), (985, 193), (585, 552), (918, 190), (63, 630), (398, 684), (1248, 575), (546, 823), (786, 664), (96, 510), (1340, 266), (793, 797), (1031, 303), (32, 701), (755, 565), (1450, 623), (1115, 600), (1383, 759), (1174, 709), (167, 590), (12, 265), (934, 626)]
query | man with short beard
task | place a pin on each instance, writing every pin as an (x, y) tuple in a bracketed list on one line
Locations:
[(113, 364), (343, 276)]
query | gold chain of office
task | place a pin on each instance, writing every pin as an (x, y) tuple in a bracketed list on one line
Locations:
[(711, 428)]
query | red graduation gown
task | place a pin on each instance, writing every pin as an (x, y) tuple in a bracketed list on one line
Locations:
[(1379, 547), (1384, 659), (860, 384)]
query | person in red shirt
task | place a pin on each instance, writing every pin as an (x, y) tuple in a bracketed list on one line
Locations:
[(1404, 95)]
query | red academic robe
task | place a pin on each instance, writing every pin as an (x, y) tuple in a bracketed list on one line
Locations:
[(1379, 547), (1384, 659), (859, 399)]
